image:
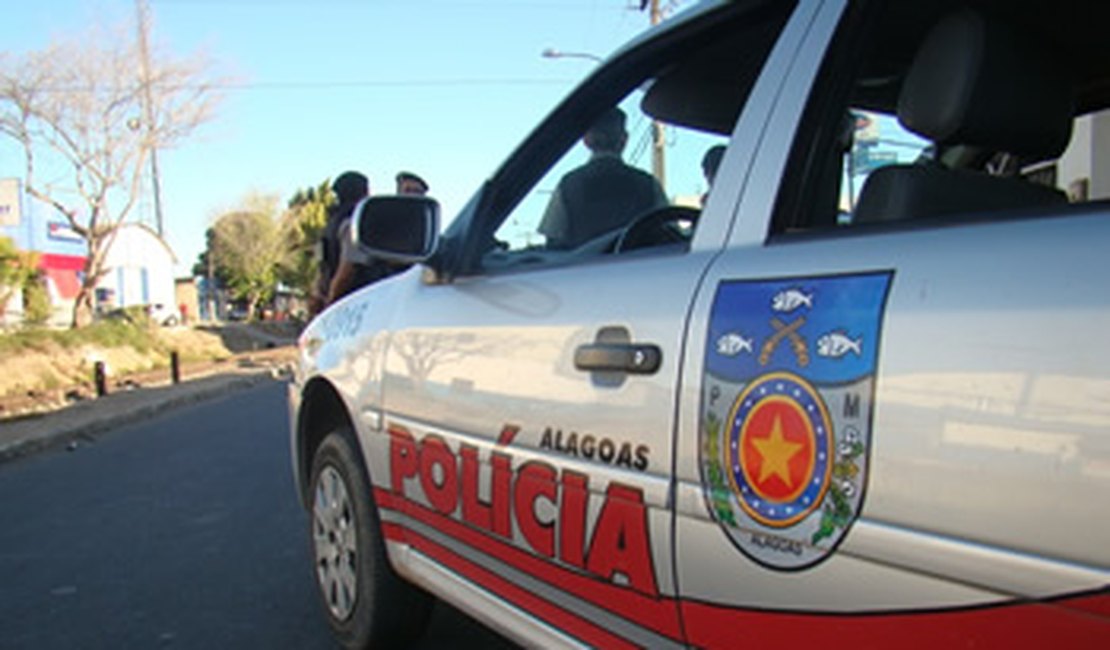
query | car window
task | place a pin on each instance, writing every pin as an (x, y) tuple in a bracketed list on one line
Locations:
[(888, 139), (586, 202), (876, 140), (620, 168)]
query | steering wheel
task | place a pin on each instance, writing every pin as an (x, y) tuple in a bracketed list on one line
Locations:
[(673, 224)]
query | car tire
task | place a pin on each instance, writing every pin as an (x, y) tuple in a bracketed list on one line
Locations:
[(170, 322), (366, 603)]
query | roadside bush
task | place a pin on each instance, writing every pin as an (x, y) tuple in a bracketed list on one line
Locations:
[(36, 303)]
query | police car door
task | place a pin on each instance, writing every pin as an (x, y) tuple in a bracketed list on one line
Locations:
[(879, 448), (531, 397)]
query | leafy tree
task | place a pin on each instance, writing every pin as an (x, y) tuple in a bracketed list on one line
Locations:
[(90, 110), (307, 215), (248, 246), (17, 270)]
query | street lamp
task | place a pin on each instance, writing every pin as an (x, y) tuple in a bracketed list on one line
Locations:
[(552, 53), (658, 141)]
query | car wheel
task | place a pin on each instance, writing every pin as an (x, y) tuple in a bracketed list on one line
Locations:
[(367, 604), (170, 322)]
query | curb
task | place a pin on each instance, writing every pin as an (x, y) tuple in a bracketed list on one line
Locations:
[(85, 420)]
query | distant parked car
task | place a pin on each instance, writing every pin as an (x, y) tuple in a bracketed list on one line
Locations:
[(165, 315), (155, 313), (237, 313)]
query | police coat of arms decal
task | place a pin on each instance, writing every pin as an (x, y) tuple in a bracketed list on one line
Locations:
[(788, 397)]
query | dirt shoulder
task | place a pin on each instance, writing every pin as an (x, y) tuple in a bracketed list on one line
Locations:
[(39, 381)]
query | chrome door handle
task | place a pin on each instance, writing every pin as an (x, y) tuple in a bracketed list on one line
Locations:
[(635, 358)]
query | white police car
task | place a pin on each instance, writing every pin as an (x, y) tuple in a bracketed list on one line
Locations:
[(858, 394)]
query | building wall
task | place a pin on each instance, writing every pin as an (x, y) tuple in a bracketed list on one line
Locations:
[(1100, 160), (139, 270), (37, 227), (140, 264), (187, 300), (1086, 163), (10, 218), (11, 207)]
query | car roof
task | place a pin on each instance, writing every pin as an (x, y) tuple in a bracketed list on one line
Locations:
[(1074, 31), (707, 88)]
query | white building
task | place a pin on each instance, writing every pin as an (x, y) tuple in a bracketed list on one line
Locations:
[(140, 267), (1084, 169)]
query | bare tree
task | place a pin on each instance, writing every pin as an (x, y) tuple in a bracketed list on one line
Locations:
[(88, 111)]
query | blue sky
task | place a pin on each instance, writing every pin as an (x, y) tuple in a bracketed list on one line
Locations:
[(445, 88)]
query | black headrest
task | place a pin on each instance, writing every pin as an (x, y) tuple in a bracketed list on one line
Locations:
[(978, 82)]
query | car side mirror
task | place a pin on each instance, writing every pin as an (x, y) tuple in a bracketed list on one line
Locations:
[(397, 228)]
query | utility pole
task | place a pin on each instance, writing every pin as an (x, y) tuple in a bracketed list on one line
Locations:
[(143, 21), (658, 138), (211, 304)]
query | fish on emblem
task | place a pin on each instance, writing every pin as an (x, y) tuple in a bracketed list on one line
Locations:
[(732, 344), (790, 299), (837, 343)]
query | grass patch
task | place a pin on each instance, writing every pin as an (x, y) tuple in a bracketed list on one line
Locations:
[(118, 334), (49, 381), (111, 333)]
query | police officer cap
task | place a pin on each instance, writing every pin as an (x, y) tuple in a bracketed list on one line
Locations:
[(409, 176)]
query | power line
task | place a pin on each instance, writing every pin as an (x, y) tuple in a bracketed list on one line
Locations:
[(515, 4), (397, 83), (324, 85)]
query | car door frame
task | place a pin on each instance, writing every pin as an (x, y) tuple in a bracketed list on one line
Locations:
[(923, 572), (453, 270)]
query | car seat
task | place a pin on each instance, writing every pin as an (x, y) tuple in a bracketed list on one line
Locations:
[(974, 82)]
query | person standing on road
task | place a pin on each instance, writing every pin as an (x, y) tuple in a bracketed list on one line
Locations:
[(602, 195), (410, 183), (356, 268), (709, 164), (349, 187)]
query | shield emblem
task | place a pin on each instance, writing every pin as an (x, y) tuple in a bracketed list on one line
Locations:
[(788, 396)]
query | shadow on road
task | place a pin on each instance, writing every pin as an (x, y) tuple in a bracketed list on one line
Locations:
[(251, 337)]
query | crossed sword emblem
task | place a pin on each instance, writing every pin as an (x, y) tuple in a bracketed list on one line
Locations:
[(788, 331)]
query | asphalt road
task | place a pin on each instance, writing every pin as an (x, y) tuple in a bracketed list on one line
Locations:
[(179, 532)]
